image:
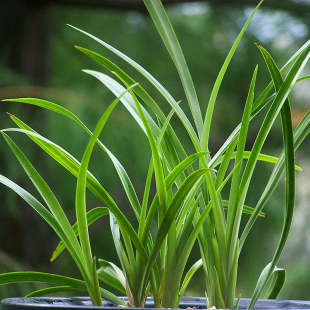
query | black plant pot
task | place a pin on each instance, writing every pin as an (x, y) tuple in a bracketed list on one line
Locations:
[(84, 303)]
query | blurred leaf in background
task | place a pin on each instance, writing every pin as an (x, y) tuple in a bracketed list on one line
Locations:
[(9, 263)]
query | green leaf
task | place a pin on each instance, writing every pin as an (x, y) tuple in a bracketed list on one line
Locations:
[(246, 209), (97, 291), (81, 189), (114, 68), (170, 40), (47, 216), (72, 165), (156, 84), (56, 290), (225, 160), (261, 157), (232, 281), (116, 238), (50, 106), (146, 196), (235, 205), (218, 292), (185, 220), (300, 133), (187, 279), (52, 203), (149, 101), (183, 257), (164, 127), (289, 152), (170, 179), (92, 216), (112, 275), (258, 105), (275, 109), (218, 82), (59, 109), (29, 276), (158, 168), (276, 285), (127, 100), (169, 217)]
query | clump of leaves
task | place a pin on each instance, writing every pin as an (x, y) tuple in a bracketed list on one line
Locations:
[(188, 203)]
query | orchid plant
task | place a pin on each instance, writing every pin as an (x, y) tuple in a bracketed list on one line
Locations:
[(188, 204)]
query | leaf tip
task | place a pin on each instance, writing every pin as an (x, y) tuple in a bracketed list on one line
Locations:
[(9, 114)]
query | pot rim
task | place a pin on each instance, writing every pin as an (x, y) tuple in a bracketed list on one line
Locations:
[(63, 303)]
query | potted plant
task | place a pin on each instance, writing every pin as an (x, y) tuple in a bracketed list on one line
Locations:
[(188, 204)]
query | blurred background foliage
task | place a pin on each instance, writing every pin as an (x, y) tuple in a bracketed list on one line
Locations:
[(38, 59)]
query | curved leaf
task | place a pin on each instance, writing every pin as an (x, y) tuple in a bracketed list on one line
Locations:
[(276, 285), (30, 276), (59, 109), (81, 190), (112, 275), (159, 87), (246, 209), (289, 151), (187, 279), (71, 164), (261, 157), (92, 216), (218, 82), (55, 290), (169, 217), (169, 38)]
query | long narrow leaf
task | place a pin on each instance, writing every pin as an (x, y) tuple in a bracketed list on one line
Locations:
[(246, 209), (47, 216), (159, 87), (265, 274), (300, 133), (273, 112), (148, 100), (61, 110), (158, 168), (169, 38), (288, 138), (169, 181), (169, 217), (92, 216), (218, 82), (187, 279), (71, 164), (234, 208), (29, 276), (257, 106), (49, 198), (112, 275), (277, 285), (81, 188), (56, 290), (261, 157)]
